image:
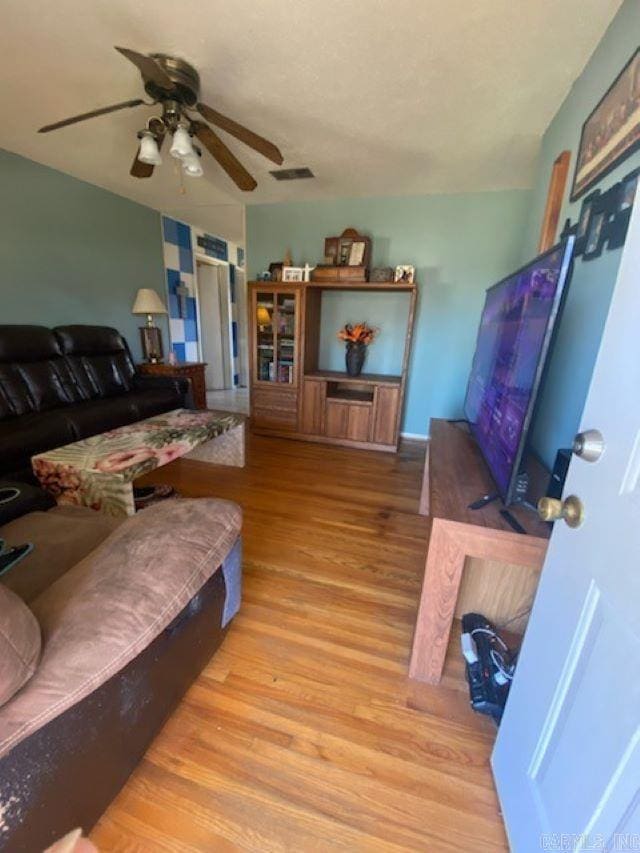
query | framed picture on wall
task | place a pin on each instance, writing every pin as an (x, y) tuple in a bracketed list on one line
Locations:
[(612, 131), (595, 235), (584, 221), (622, 214)]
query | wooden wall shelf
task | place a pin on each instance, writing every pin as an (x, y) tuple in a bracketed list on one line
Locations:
[(363, 379), (388, 286), (291, 397)]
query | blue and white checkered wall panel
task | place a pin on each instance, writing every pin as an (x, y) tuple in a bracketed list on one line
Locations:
[(178, 263), (180, 243)]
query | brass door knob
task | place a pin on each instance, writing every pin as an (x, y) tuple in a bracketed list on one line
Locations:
[(570, 509)]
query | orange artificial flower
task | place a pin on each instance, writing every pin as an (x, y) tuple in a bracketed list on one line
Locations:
[(360, 333)]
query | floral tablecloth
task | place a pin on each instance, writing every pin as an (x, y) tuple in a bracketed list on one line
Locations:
[(98, 471)]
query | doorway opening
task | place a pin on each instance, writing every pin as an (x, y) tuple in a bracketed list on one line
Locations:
[(223, 334)]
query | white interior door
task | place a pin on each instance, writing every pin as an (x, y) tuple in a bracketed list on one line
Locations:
[(213, 297), (567, 757)]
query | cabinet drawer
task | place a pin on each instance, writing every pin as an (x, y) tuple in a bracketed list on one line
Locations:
[(274, 398), (274, 419)]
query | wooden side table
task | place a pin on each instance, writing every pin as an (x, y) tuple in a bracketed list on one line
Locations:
[(191, 370)]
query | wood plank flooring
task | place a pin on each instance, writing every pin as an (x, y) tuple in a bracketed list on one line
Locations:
[(303, 732)]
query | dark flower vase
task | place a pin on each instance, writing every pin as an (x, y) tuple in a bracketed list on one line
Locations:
[(354, 357)]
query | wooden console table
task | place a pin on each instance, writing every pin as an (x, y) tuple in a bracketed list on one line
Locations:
[(191, 370), (455, 475)]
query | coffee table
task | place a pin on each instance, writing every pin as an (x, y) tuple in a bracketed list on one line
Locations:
[(99, 471)]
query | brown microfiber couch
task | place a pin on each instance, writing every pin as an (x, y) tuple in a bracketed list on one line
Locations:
[(129, 613)]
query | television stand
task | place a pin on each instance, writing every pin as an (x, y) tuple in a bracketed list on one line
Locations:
[(512, 521), (502, 566)]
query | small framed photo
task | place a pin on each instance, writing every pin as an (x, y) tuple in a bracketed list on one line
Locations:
[(595, 235), (405, 274), (292, 274)]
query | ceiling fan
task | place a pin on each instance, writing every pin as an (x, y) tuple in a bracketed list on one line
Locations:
[(175, 85)]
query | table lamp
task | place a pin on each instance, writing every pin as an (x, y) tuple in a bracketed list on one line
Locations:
[(148, 302), (263, 318)]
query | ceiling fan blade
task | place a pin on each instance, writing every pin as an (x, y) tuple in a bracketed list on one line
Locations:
[(148, 67), (84, 116), (140, 169), (229, 162), (258, 143)]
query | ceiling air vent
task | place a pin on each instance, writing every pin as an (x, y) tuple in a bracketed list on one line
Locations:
[(292, 174)]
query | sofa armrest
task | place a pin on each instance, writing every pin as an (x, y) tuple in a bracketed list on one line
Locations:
[(182, 386)]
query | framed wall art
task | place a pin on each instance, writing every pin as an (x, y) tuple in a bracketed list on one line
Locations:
[(612, 131)]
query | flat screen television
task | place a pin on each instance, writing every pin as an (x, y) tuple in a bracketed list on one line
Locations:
[(514, 338)]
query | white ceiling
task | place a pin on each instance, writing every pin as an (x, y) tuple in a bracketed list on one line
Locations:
[(378, 97)]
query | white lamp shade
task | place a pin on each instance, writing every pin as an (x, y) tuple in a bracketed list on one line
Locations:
[(192, 166), (149, 151), (181, 145), (148, 302)]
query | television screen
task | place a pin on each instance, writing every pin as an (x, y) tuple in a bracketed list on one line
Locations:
[(513, 341)]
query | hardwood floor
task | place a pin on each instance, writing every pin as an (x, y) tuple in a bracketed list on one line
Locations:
[(303, 732)]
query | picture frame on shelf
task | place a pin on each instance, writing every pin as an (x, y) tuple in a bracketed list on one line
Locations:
[(611, 132), (292, 274), (404, 274), (619, 224)]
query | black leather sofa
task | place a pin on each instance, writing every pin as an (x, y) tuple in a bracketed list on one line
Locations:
[(63, 384)]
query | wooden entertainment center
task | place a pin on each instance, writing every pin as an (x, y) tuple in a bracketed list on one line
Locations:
[(292, 397), (475, 559)]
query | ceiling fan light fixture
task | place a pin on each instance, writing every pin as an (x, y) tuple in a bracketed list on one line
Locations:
[(181, 146), (149, 151), (192, 166)]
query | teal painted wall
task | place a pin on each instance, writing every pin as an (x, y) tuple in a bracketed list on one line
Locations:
[(71, 252), (460, 244), (587, 304)]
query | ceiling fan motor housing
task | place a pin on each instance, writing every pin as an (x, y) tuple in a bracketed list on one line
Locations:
[(185, 79)]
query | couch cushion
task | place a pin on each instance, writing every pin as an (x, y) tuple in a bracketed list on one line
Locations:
[(96, 416), (106, 609), (62, 537), (14, 395), (44, 384), (33, 433), (33, 373), (20, 644), (27, 343), (98, 357), (156, 401)]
